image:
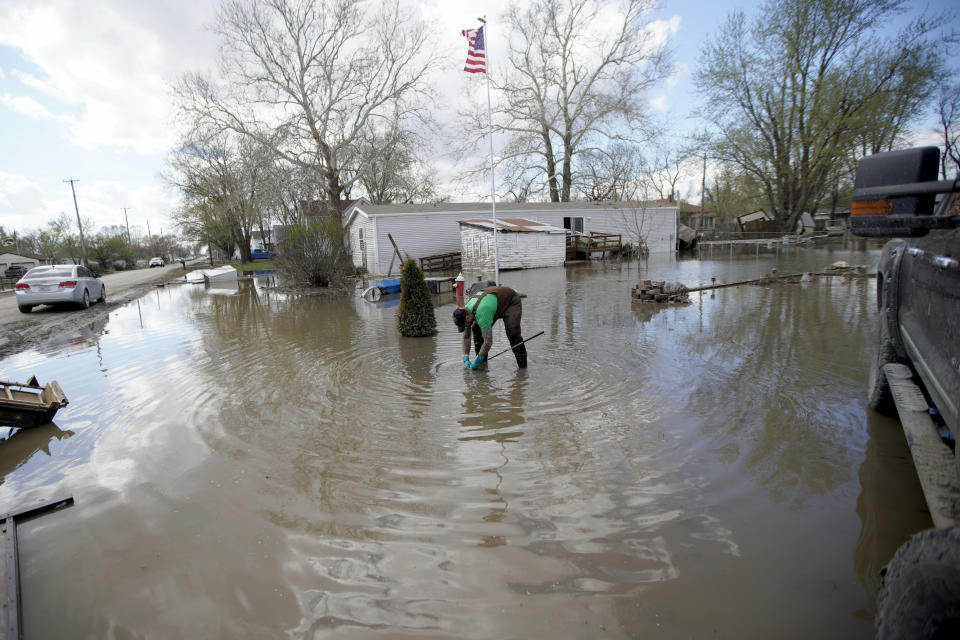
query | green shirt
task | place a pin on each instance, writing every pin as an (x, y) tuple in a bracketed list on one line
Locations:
[(484, 315)]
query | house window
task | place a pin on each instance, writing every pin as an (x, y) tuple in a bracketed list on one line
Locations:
[(363, 249), (573, 223)]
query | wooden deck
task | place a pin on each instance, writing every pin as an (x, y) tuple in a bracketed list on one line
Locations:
[(441, 262), (594, 242)]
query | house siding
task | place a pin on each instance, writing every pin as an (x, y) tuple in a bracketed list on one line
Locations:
[(431, 232), (357, 249), (10, 259), (526, 250), (658, 225), (417, 235)]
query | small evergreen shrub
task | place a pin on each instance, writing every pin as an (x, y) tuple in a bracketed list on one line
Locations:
[(415, 317)]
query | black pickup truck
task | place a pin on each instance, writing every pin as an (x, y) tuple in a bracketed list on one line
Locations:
[(916, 374)]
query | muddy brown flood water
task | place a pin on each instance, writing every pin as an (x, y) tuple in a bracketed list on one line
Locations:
[(261, 465)]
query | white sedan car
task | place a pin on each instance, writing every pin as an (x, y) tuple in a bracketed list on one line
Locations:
[(59, 284)]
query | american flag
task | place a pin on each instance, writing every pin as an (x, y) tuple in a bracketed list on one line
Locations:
[(477, 54)]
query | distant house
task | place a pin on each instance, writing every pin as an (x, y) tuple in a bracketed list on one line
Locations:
[(823, 218), (10, 258), (805, 223), (757, 222), (695, 216), (521, 244), (310, 211), (430, 229)]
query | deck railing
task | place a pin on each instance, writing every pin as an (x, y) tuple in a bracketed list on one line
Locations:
[(441, 262), (594, 242)]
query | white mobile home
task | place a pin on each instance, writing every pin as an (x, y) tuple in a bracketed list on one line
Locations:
[(521, 244), (431, 229)]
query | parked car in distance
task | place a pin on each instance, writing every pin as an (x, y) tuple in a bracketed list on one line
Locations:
[(262, 254), (15, 271), (156, 262), (59, 284)]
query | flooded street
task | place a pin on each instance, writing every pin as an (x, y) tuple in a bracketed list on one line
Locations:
[(265, 465)]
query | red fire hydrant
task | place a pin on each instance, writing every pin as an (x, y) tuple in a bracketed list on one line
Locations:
[(459, 282)]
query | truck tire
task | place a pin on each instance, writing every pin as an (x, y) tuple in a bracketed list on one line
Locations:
[(920, 597), (881, 397)]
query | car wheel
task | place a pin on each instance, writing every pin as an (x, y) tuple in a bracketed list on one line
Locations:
[(920, 597), (25, 308), (85, 303), (103, 295)]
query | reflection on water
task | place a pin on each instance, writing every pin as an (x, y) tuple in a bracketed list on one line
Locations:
[(20, 445), (268, 463), (890, 505)]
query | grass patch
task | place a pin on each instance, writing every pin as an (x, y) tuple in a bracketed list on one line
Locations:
[(256, 265)]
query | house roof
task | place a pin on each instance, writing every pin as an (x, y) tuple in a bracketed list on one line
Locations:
[(484, 208), (22, 254), (753, 216), (321, 208), (517, 225)]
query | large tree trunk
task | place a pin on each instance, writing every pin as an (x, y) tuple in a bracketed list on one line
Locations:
[(551, 167)]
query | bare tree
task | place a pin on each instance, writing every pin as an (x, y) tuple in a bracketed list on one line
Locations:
[(793, 94), (610, 174), (577, 74), (664, 171), (307, 78), (223, 178), (391, 169), (948, 113)]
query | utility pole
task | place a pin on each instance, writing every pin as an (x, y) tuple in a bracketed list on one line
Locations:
[(83, 243), (703, 190), (127, 220)]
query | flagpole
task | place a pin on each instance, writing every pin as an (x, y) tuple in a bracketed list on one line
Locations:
[(493, 179)]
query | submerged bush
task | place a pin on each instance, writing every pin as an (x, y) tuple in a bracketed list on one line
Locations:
[(315, 254), (415, 316)]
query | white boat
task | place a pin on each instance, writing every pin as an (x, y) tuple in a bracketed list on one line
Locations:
[(835, 228), (220, 277)]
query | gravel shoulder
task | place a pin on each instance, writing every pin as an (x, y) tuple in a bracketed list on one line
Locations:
[(23, 331)]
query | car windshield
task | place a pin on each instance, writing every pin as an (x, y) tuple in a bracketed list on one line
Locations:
[(48, 272)]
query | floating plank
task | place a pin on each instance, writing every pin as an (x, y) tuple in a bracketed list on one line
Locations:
[(932, 458), (11, 609)]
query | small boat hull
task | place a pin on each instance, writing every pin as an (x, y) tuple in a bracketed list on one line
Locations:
[(220, 276), (389, 285), (29, 405)]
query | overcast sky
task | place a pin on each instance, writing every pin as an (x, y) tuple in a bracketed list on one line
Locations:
[(85, 94)]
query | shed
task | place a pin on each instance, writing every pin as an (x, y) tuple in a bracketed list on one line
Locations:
[(430, 229), (521, 244)]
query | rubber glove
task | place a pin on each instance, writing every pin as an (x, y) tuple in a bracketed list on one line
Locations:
[(466, 361), (476, 363)]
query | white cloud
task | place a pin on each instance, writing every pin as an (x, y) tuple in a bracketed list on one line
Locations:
[(25, 205), (27, 106), (679, 70), (20, 198), (659, 103), (659, 32), (112, 62), (32, 81)]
